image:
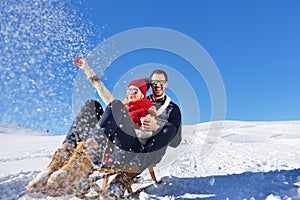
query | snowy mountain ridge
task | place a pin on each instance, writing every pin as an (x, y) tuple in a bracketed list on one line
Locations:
[(6, 128)]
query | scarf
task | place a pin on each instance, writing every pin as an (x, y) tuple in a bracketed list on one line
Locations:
[(138, 109)]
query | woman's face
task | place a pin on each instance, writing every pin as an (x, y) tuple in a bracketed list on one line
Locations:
[(134, 93)]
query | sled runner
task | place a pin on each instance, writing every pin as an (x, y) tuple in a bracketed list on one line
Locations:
[(90, 189)]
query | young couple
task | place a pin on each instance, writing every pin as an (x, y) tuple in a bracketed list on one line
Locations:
[(130, 135)]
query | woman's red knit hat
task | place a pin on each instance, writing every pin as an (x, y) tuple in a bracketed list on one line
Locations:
[(141, 83)]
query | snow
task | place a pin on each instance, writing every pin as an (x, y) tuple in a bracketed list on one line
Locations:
[(38, 41), (250, 160)]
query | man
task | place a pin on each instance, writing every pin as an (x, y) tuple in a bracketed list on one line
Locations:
[(167, 111), (168, 128), (167, 132)]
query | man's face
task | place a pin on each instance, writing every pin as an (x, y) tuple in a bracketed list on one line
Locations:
[(158, 84)]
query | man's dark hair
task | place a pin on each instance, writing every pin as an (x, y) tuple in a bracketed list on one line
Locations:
[(159, 71)]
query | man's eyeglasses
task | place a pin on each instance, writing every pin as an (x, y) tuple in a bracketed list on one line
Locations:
[(155, 82), (132, 90)]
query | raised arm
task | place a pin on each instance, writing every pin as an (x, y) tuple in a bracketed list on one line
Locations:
[(103, 92)]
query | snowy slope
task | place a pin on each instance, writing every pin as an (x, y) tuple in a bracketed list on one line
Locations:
[(250, 160)]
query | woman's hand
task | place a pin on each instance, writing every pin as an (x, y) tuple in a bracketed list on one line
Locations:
[(80, 62)]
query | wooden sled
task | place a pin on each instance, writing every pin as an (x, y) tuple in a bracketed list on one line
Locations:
[(83, 190)]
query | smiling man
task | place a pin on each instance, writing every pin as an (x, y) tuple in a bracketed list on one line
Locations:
[(167, 129), (168, 113)]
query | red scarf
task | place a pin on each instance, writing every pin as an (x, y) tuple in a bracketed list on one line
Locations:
[(138, 109)]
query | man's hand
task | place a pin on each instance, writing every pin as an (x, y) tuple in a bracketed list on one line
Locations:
[(148, 125)]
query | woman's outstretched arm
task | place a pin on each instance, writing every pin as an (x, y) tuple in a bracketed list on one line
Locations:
[(102, 90)]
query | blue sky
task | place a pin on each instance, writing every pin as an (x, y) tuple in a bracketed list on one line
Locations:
[(255, 46)]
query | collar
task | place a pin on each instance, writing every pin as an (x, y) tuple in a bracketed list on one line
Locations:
[(161, 104)]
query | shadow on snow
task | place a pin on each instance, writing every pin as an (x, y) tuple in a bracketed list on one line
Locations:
[(258, 185)]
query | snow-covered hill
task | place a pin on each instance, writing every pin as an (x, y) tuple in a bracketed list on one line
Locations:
[(250, 160)]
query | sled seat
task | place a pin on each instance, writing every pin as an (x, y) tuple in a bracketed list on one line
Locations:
[(108, 172)]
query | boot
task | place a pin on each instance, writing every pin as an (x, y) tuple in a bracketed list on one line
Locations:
[(79, 166), (38, 184)]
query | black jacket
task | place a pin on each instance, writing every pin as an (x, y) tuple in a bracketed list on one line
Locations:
[(171, 117)]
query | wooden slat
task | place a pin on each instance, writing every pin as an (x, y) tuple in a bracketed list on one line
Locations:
[(153, 177)]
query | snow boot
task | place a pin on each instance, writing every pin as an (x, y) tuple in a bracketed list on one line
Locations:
[(79, 166), (59, 159)]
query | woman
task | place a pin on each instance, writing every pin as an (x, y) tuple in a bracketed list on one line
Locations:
[(93, 131), (136, 103)]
